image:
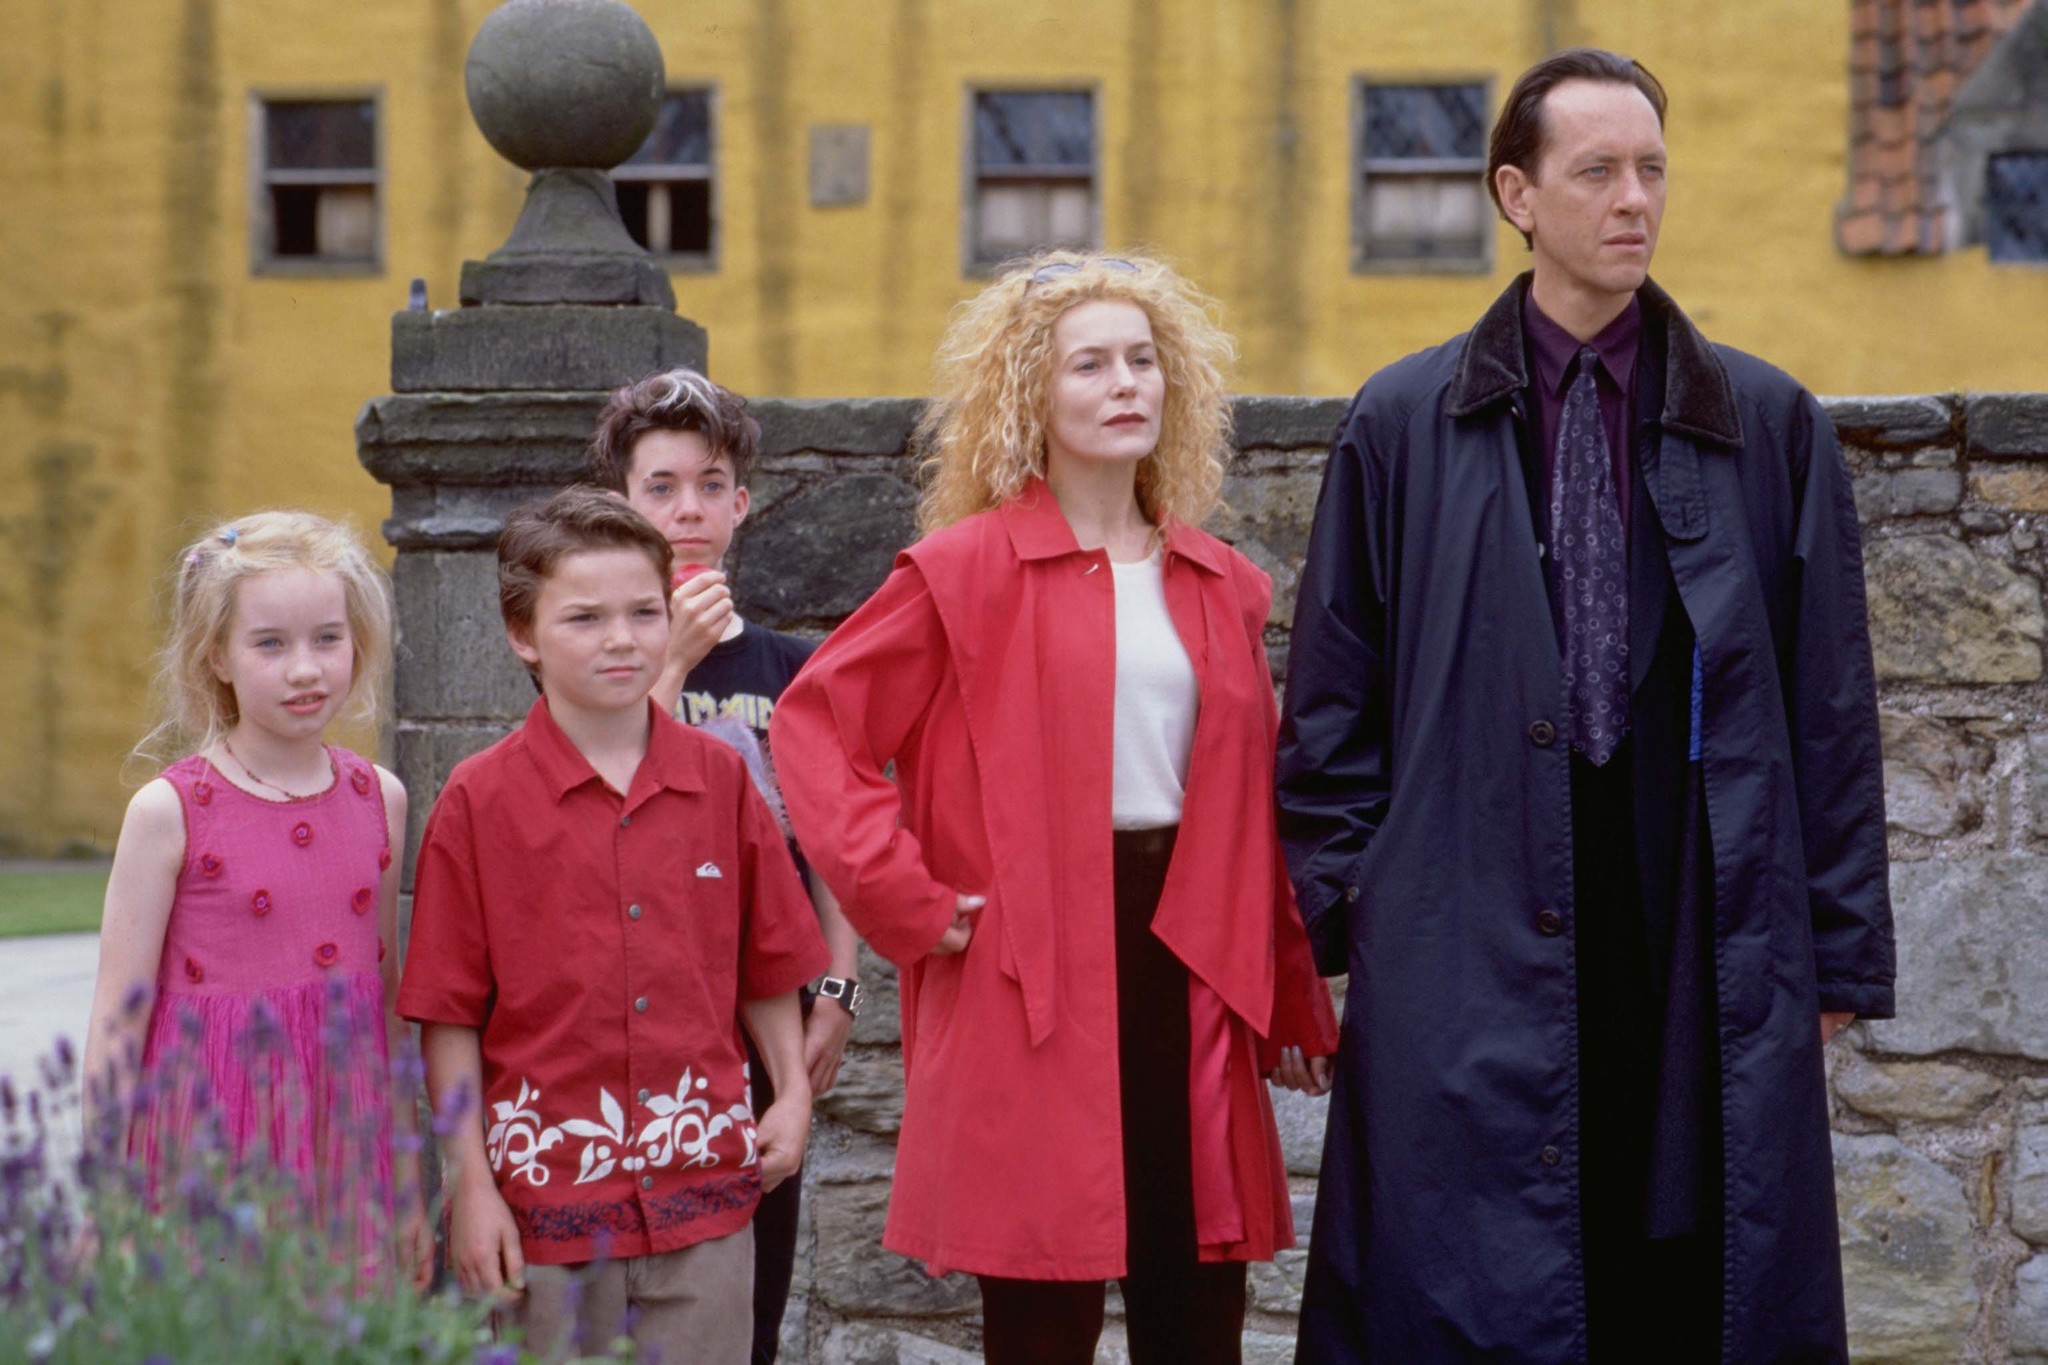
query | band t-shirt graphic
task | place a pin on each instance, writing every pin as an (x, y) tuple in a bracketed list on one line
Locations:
[(732, 692)]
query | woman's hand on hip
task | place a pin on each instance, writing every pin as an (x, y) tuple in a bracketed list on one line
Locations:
[(961, 930)]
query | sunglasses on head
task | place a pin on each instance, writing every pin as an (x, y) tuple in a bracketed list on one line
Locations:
[(1047, 273)]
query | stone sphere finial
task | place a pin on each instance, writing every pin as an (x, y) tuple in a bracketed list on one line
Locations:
[(565, 83)]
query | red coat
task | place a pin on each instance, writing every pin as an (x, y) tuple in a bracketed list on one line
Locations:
[(984, 668)]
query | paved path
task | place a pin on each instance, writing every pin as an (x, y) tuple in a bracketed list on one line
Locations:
[(45, 990)]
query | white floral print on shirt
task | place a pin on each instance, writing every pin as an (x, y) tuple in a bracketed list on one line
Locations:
[(681, 1133)]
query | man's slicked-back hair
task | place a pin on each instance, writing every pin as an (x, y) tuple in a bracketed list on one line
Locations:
[(580, 517), (674, 400), (1518, 132)]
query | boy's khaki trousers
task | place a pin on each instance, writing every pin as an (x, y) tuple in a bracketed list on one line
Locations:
[(689, 1307)]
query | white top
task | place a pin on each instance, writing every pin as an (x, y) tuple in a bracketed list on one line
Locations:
[(1156, 702)]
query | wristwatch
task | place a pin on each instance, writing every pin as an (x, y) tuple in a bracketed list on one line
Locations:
[(847, 993)]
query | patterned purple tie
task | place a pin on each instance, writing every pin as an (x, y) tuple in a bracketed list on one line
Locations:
[(1591, 562)]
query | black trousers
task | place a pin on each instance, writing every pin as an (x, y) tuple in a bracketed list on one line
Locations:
[(1647, 1298), (775, 1227), (1177, 1309)]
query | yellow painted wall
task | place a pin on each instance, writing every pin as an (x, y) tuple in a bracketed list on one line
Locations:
[(149, 383)]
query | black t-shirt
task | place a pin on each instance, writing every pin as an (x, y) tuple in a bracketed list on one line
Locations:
[(743, 678), (732, 692)]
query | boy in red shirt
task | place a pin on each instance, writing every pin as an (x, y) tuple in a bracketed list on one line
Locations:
[(601, 897)]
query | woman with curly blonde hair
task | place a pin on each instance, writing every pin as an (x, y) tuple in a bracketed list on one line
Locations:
[(1075, 867)]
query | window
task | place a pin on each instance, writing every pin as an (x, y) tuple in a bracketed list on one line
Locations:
[(665, 188), (1421, 201), (1033, 177), (316, 191), (2016, 206)]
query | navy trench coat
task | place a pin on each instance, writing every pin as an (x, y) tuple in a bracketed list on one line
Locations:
[(1425, 803)]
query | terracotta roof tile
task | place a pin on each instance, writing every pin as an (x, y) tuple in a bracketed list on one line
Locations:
[(1907, 60)]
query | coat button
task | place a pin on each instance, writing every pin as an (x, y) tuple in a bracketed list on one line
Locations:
[(1542, 734), (1550, 1156), (1550, 922), (632, 912), (1350, 893), (641, 1004)]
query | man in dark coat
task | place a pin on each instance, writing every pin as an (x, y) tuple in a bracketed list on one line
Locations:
[(1580, 782)]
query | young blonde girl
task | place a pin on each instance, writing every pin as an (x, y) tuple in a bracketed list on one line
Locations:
[(247, 950)]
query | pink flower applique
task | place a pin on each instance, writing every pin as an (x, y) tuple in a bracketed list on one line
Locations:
[(360, 780), (380, 947), (202, 793), (260, 902), (193, 971), (209, 864), (384, 859), (361, 901), (302, 834), (326, 954)]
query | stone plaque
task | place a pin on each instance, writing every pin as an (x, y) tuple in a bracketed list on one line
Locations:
[(839, 164)]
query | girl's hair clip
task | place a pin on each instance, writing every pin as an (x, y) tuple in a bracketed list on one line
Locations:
[(230, 536), (192, 560)]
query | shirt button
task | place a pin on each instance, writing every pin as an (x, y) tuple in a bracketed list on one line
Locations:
[(1550, 1156), (625, 820), (643, 1094), (1550, 922), (632, 912), (1542, 734), (641, 1004), (646, 1182), (1350, 893)]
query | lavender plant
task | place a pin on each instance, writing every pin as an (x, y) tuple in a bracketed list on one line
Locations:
[(222, 1259)]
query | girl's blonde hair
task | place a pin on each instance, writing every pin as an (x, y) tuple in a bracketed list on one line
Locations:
[(983, 434), (198, 708)]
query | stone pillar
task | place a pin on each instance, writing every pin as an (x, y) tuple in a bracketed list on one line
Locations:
[(493, 402)]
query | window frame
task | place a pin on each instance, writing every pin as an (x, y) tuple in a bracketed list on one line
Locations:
[(973, 265), (1359, 169), (1986, 217), (688, 262), (262, 225)]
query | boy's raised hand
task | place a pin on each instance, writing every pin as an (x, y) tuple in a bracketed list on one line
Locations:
[(779, 1137), (483, 1241), (700, 610)]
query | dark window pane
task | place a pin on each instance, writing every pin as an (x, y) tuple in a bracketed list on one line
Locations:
[(295, 215), (321, 135), (682, 132), (1404, 122), (2016, 206), (633, 208), (1038, 129), (689, 216)]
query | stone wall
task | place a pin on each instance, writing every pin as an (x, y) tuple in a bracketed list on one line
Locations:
[(1941, 1115)]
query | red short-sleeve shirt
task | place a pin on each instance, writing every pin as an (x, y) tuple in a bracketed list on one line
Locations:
[(602, 945)]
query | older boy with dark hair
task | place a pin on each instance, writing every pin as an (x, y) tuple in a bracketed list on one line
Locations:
[(602, 897), (680, 448)]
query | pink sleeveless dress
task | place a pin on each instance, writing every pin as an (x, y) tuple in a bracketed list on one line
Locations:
[(266, 1039)]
